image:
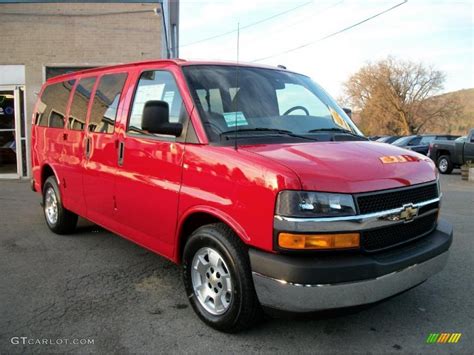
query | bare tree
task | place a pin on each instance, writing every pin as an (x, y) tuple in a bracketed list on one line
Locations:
[(397, 97)]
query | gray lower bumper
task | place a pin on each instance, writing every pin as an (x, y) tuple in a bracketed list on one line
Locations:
[(293, 297)]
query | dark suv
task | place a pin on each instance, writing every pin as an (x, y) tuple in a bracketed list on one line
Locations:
[(421, 143)]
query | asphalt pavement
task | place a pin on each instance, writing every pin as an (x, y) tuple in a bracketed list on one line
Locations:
[(96, 292)]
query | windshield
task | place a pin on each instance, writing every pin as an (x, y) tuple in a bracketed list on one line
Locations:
[(243, 100)]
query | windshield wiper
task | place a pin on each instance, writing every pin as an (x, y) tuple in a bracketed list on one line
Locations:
[(335, 129), (270, 130)]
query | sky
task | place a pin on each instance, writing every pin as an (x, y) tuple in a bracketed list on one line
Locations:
[(437, 33)]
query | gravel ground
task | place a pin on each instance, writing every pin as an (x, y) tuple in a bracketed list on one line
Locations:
[(96, 286)]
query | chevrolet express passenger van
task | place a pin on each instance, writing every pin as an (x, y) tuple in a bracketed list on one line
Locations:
[(250, 177)]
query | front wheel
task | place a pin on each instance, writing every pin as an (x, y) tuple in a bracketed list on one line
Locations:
[(445, 166), (59, 219), (218, 280)]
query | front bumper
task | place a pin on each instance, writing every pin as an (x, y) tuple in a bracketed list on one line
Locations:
[(305, 284)]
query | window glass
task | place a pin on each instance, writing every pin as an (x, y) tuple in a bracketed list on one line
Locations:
[(259, 102), (105, 105), (293, 94), (80, 103), (211, 100), (52, 104), (155, 85), (415, 141), (427, 140)]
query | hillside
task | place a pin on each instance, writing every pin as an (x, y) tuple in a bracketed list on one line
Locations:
[(459, 125), (465, 121)]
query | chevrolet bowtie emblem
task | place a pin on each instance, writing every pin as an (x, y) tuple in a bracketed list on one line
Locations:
[(408, 213)]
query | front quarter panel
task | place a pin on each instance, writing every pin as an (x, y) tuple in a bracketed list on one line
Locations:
[(236, 186)]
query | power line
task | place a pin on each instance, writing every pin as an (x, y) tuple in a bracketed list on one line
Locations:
[(332, 34), (246, 26), (311, 16)]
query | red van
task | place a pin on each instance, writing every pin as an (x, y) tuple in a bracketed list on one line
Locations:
[(251, 177)]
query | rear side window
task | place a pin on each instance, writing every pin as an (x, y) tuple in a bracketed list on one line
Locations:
[(427, 140), (53, 103), (106, 101), (80, 103), (415, 141)]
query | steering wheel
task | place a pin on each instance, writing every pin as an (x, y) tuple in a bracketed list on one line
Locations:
[(294, 108)]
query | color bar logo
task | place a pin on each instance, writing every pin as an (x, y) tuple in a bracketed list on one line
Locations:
[(443, 338)]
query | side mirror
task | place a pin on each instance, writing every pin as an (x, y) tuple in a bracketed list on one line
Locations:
[(156, 119), (348, 111)]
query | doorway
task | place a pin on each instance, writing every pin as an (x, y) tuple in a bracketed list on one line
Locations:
[(12, 132)]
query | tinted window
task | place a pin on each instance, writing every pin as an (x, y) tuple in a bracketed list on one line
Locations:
[(80, 103), (427, 140), (415, 141), (400, 141), (155, 85), (53, 103), (105, 105)]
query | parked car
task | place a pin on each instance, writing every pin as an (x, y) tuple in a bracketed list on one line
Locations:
[(250, 177), (388, 139), (450, 155), (421, 143)]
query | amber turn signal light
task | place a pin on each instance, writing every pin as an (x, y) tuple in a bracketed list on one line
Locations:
[(319, 241)]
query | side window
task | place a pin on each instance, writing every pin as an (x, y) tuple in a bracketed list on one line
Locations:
[(105, 104), (414, 141), (155, 85), (53, 103), (80, 103), (427, 140)]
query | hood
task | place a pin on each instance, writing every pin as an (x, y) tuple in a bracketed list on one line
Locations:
[(349, 166)]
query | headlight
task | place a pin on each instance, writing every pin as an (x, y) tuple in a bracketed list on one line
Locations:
[(314, 204)]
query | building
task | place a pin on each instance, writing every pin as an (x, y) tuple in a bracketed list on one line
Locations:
[(42, 39)]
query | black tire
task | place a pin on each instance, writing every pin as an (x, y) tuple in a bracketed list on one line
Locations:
[(244, 310), (66, 220), (444, 164)]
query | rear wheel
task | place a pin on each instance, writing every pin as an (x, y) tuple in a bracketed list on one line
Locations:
[(218, 280), (445, 166), (58, 219)]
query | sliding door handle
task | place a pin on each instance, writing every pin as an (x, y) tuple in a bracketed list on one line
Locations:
[(121, 148)]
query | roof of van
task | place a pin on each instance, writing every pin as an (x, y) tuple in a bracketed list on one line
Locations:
[(178, 61)]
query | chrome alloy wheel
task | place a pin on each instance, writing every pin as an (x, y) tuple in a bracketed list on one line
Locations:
[(443, 165), (51, 206), (212, 282)]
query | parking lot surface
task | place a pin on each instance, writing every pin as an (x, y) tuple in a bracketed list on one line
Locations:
[(96, 287)]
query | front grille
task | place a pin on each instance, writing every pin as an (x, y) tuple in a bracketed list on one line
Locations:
[(386, 237), (382, 201)]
